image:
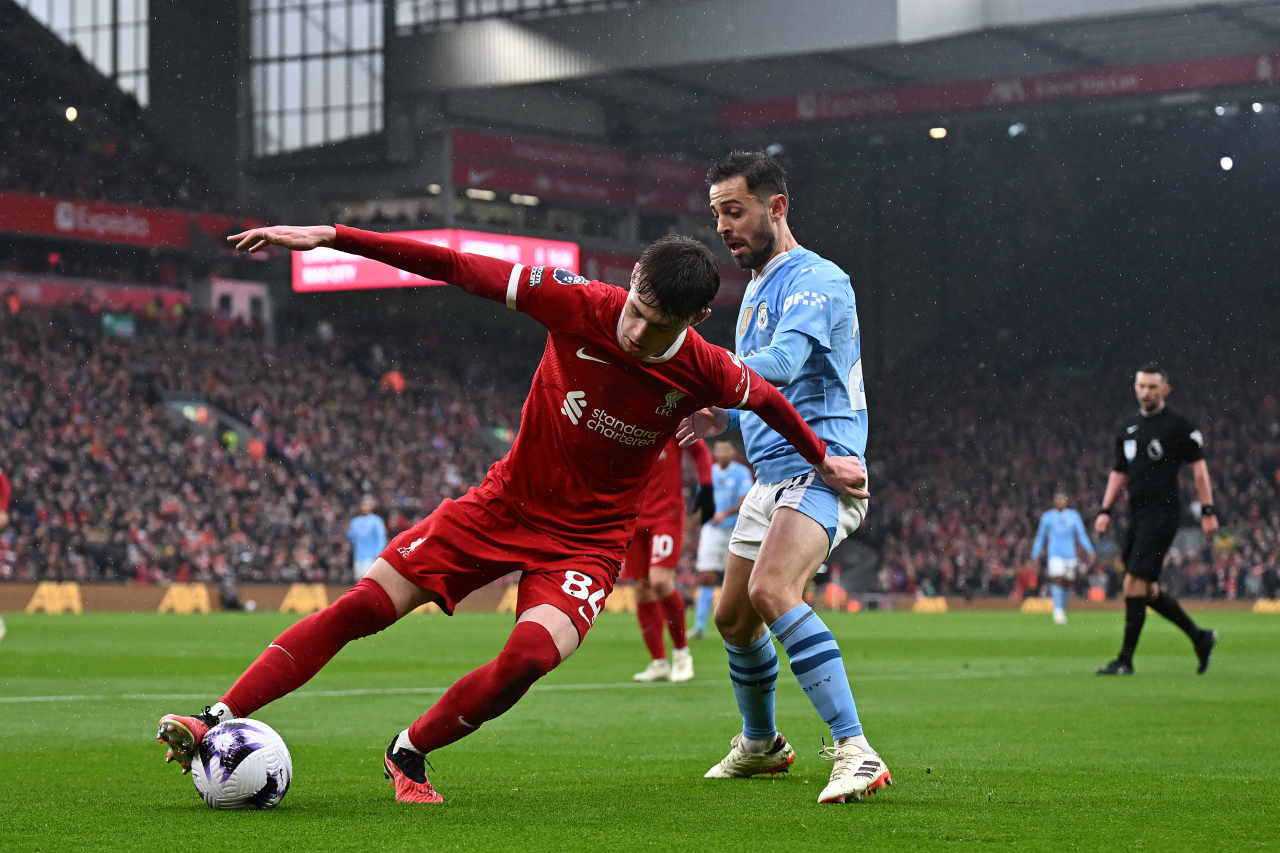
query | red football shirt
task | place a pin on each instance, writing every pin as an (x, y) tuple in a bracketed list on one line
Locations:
[(665, 496), (596, 419)]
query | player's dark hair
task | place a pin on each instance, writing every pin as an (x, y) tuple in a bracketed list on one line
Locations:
[(764, 175), (678, 276), (1152, 367)]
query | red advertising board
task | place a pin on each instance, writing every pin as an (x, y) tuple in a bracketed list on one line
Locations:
[(578, 173), (329, 269), (33, 290), (85, 220), (1095, 83)]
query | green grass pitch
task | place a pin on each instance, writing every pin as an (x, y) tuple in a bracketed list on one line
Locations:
[(997, 732)]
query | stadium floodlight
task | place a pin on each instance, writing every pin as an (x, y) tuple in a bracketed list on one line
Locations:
[(1257, 108), (775, 149), (524, 200), (938, 132), (481, 195), (434, 189), (1220, 110), (1226, 163), (1017, 129), (72, 112)]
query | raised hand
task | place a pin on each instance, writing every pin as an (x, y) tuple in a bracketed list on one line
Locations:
[(299, 238), (845, 475), (703, 423)]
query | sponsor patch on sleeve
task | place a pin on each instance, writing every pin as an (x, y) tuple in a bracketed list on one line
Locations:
[(1198, 437), (535, 276), (565, 277)]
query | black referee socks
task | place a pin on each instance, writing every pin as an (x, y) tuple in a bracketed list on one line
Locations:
[(1135, 614), (1168, 607)]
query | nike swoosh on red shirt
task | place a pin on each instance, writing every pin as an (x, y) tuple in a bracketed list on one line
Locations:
[(582, 354)]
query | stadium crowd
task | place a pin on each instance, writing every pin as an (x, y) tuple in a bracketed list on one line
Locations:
[(107, 485), (964, 469)]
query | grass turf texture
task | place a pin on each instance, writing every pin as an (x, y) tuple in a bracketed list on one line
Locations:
[(1027, 748)]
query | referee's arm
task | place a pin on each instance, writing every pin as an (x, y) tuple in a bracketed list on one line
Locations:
[(1204, 493), (1115, 484)]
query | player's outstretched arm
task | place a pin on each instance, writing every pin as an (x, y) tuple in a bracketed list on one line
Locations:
[(302, 238), (487, 277)]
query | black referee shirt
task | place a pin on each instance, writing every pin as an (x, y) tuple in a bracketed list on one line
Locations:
[(1150, 448)]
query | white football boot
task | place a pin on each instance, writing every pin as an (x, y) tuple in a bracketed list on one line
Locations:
[(681, 665), (739, 764), (857, 773), (657, 670), (1059, 617)]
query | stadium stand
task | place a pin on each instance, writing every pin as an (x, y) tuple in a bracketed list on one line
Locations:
[(106, 154), (107, 486)]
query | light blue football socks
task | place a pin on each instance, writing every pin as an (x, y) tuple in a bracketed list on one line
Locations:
[(818, 666), (1059, 595), (702, 609), (753, 670)]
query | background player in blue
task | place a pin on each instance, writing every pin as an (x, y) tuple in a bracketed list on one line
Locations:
[(368, 537), (1061, 528), (798, 328), (730, 482)]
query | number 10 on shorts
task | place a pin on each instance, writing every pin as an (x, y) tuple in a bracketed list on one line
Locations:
[(579, 586)]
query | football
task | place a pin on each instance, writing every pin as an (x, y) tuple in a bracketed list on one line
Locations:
[(242, 764)]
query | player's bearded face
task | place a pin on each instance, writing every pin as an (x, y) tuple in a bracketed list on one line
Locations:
[(759, 241), (1150, 389)]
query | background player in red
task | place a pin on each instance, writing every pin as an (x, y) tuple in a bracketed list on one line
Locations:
[(654, 556), (621, 370)]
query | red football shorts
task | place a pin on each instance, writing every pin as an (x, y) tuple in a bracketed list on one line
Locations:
[(656, 544), (473, 541)]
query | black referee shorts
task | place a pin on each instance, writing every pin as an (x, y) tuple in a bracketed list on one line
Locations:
[(1151, 532)]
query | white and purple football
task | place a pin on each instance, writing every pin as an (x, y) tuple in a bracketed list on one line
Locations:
[(242, 764)]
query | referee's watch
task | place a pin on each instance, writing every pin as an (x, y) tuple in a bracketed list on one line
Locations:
[(1207, 510)]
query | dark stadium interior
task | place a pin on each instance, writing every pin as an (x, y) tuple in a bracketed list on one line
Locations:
[(1010, 275)]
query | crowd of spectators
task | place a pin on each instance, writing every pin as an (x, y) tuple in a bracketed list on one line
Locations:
[(108, 484), (106, 154), (968, 448)]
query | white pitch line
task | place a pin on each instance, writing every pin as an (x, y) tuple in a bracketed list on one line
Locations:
[(427, 691)]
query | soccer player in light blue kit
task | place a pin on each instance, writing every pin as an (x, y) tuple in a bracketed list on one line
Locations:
[(798, 328), (730, 482), (1061, 528), (368, 537)]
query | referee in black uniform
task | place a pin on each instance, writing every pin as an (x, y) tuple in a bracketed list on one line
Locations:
[(1149, 448)]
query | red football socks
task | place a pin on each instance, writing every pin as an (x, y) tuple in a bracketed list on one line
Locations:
[(300, 652), (673, 607), (489, 691), (649, 613)]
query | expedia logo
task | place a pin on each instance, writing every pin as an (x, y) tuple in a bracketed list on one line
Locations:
[(668, 408), (573, 406)]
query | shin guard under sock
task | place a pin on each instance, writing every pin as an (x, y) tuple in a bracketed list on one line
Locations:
[(1168, 607), (818, 666), (1135, 615), (673, 609), (753, 670), (489, 691), (649, 615), (300, 652)]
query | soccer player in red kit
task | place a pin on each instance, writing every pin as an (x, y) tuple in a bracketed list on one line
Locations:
[(654, 554), (620, 371)]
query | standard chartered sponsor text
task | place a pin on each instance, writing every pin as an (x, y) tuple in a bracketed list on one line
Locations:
[(620, 431)]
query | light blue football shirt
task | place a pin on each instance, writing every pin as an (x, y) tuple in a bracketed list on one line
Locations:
[(730, 486), (800, 291), (368, 536), (1061, 530)]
